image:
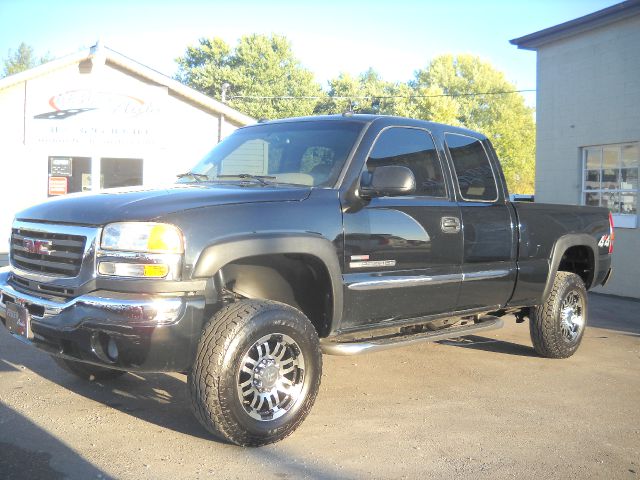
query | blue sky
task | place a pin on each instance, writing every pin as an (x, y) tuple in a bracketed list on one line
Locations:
[(394, 37)]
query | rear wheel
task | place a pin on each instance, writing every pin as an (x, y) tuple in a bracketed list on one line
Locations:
[(557, 326), (87, 371), (257, 372)]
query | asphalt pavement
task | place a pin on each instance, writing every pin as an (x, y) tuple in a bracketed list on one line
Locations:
[(476, 407)]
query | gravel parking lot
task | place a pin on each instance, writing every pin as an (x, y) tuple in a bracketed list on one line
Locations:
[(479, 407)]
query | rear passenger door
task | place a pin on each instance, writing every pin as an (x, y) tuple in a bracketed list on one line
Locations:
[(488, 225)]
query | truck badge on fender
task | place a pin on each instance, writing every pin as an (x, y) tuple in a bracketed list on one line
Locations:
[(604, 241), (362, 261)]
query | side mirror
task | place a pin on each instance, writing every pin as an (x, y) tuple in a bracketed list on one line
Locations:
[(387, 181)]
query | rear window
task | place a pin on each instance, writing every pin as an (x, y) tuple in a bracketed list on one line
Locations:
[(473, 169)]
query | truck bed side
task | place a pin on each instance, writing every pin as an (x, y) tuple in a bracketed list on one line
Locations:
[(558, 237)]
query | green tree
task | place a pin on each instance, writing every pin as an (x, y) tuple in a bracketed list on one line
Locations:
[(258, 66), (464, 90), (368, 93), (22, 59), (458, 90)]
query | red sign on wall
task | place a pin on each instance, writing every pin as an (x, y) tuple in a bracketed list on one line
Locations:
[(58, 185)]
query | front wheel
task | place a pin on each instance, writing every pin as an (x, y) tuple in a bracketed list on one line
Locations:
[(557, 326), (257, 372)]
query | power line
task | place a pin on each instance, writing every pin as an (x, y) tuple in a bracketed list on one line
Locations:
[(371, 97)]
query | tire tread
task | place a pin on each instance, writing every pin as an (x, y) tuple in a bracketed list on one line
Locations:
[(542, 323), (204, 378)]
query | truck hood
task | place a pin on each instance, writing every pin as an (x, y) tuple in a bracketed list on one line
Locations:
[(139, 203)]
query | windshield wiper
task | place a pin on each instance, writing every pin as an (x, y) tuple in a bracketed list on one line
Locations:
[(198, 177), (244, 176)]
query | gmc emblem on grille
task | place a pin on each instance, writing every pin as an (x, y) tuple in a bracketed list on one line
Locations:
[(38, 247)]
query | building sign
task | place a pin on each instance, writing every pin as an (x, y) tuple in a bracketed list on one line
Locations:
[(58, 186), (61, 167), (77, 102), (90, 115)]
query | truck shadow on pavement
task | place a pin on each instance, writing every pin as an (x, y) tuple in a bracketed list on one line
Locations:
[(160, 399), (487, 344), (27, 451)]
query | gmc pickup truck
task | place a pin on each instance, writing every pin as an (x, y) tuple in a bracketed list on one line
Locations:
[(339, 234)]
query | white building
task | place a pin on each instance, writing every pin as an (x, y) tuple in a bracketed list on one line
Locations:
[(588, 124), (97, 119)]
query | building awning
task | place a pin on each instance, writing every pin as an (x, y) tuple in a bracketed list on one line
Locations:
[(597, 19)]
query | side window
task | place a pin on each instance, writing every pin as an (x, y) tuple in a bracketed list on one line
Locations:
[(414, 149), (473, 169)]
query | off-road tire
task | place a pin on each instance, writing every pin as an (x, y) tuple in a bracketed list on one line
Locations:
[(545, 324), (87, 371), (213, 380)]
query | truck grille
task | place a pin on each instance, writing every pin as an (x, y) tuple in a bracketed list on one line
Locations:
[(48, 253)]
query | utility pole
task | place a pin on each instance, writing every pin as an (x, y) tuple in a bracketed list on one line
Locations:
[(223, 99), (223, 94)]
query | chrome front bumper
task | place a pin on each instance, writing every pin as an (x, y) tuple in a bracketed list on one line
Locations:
[(104, 306), (154, 333)]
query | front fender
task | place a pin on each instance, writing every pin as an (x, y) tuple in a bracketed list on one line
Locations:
[(230, 249)]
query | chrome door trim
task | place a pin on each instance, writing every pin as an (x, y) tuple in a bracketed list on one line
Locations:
[(485, 275), (405, 282)]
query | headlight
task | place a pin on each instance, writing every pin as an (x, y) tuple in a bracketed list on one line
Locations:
[(142, 237), (141, 250)]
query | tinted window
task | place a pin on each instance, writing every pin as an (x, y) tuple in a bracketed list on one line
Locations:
[(415, 150), (475, 177)]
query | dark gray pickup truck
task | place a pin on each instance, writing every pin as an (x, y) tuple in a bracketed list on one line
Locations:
[(340, 234)]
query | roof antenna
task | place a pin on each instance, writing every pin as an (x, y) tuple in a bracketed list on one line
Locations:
[(96, 57), (349, 111), (96, 48)]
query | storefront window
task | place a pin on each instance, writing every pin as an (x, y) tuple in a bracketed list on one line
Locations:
[(73, 174), (120, 172), (68, 175), (610, 179)]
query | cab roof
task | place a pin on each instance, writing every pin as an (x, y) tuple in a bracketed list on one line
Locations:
[(381, 120)]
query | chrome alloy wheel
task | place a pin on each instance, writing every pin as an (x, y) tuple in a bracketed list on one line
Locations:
[(572, 316), (271, 377)]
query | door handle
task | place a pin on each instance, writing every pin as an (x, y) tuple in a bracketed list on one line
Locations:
[(450, 224)]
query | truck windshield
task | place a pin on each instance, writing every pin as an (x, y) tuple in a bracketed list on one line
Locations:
[(303, 153)]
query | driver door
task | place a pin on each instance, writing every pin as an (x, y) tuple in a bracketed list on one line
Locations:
[(403, 253)]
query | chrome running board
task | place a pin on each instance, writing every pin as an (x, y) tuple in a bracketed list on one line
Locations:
[(333, 347)]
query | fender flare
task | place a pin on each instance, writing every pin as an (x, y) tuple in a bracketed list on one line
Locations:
[(560, 247), (230, 249)]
